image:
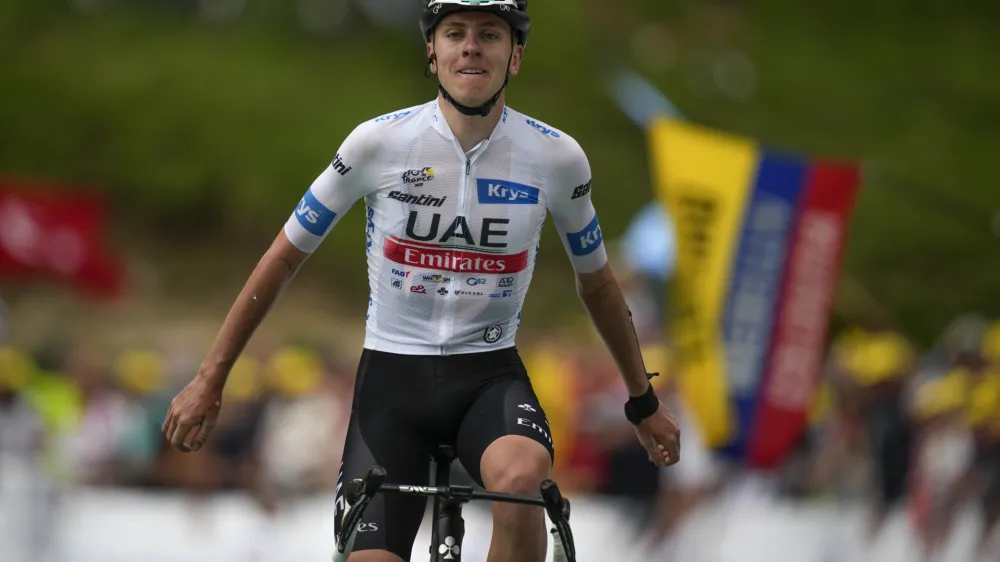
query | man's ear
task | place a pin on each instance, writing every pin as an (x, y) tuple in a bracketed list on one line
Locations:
[(431, 58), (515, 60)]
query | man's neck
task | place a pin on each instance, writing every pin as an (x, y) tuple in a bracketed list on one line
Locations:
[(470, 130)]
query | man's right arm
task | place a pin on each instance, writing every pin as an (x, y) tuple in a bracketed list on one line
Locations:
[(349, 177), (273, 272)]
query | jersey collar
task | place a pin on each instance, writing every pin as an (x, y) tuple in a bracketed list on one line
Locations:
[(441, 125)]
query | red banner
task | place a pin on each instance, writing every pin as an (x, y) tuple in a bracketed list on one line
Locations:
[(50, 236), (808, 288)]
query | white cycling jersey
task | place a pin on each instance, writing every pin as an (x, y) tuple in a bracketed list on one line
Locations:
[(451, 235)]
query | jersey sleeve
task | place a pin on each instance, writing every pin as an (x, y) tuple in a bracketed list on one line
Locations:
[(573, 212), (349, 177)]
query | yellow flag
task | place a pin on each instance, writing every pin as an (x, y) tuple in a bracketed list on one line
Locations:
[(703, 178)]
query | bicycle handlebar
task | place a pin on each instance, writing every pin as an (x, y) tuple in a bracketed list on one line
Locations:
[(359, 493), (367, 487)]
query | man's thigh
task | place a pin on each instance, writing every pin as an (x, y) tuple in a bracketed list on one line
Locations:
[(507, 406), (380, 432)]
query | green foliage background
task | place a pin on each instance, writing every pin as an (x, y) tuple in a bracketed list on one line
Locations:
[(206, 136)]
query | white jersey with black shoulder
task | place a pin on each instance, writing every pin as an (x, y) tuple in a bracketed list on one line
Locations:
[(452, 236)]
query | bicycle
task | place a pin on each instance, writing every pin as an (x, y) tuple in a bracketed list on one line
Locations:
[(447, 513)]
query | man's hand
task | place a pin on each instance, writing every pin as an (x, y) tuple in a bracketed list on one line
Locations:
[(661, 437), (196, 407)]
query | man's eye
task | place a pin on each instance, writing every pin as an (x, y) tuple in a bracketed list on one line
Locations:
[(453, 35), (492, 35)]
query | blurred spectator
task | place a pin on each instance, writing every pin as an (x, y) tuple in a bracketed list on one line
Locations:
[(871, 368), (627, 473), (23, 502), (141, 376), (685, 488), (649, 255), (100, 420), (305, 425), (984, 472), (944, 452), (983, 478)]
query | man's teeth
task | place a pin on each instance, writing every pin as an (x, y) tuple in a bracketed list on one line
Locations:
[(470, 72)]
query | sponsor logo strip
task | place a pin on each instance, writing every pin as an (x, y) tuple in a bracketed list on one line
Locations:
[(313, 216), (502, 192), (430, 245), (445, 259), (587, 240)]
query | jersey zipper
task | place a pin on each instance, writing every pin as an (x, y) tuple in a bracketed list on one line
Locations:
[(448, 322)]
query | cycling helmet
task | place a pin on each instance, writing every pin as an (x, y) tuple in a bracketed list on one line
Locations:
[(514, 12)]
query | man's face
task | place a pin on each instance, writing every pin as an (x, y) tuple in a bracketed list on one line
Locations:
[(472, 50)]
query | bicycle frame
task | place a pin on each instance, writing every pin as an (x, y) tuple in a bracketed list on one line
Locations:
[(448, 501)]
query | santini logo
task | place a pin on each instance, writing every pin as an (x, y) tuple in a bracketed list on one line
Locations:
[(313, 216), (500, 192), (581, 190), (339, 166), (422, 200)]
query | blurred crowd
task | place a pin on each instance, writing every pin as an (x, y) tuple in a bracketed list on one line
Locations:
[(903, 429), (925, 426), (899, 428)]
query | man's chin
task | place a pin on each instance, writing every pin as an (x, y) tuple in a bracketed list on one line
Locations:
[(470, 100)]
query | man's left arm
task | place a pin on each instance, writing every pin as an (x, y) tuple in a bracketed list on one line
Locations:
[(604, 300), (575, 219)]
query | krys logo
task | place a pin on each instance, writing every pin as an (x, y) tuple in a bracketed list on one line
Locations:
[(551, 132), (587, 240), (501, 192), (392, 116), (416, 178), (313, 215)]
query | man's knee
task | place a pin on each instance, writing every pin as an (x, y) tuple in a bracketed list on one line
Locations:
[(515, 465)]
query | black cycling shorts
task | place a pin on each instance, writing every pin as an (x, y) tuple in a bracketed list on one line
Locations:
[(405, 406)]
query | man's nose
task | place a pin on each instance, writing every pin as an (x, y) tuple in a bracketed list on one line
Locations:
[(471, 47)]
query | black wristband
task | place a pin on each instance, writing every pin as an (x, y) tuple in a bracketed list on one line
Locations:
[(639, 408)]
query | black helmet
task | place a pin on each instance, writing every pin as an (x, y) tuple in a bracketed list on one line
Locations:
[(514, 12)]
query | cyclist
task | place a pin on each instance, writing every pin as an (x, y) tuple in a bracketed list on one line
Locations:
[(456, 191)]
